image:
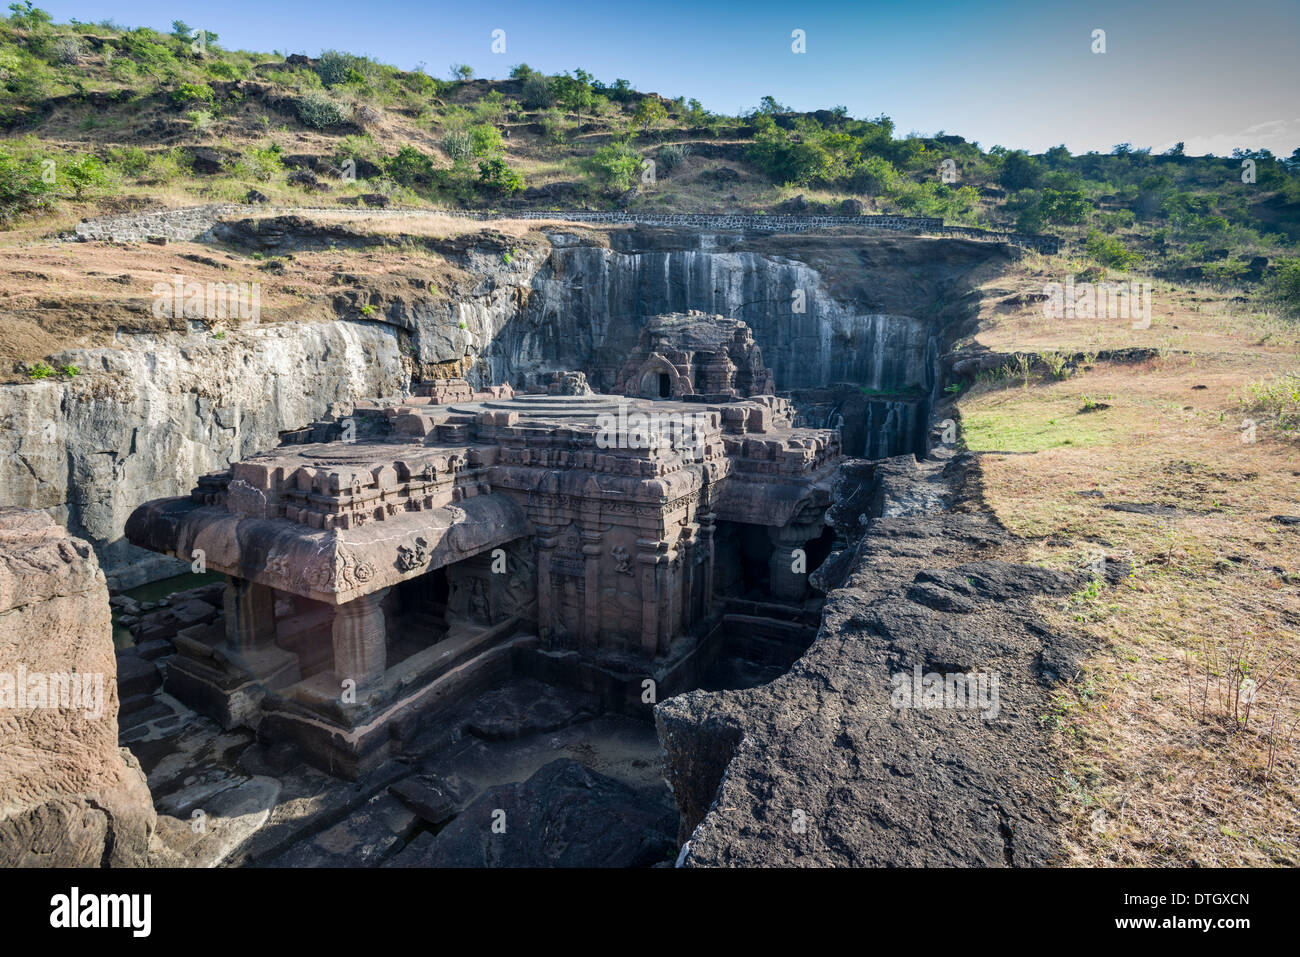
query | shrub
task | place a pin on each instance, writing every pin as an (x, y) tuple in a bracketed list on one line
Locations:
[(1019, 171), (1284, 284), (554, 126), (335, 68), (649, 113), (318, 111), (538, 94), (83, 173), (1067, 207), (22, 187), (874, 175), (672, 156), (265, 163), (616, 166), (130, 160), (484, 139), (495, 174), (457, 144), (409, 167), (1110, 251), (193, 93), (67, 51)]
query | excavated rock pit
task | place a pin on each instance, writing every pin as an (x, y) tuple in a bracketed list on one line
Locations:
[(790, 752)]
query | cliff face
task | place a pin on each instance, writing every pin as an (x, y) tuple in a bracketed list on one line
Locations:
[(587, 305), (145, 420), (147, 416)]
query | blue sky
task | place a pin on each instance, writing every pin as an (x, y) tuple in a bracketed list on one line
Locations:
[(1213, 74)]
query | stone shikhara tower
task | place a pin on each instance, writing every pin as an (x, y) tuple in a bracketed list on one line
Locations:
[(464, 537)]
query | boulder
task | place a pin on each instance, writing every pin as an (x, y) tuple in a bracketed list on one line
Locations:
[(565, 815), (69, 797), (206, 161)]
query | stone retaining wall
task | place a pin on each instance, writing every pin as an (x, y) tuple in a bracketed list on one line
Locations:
[(191, 222)]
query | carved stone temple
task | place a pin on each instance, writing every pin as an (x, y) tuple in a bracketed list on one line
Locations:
[(387, 564)]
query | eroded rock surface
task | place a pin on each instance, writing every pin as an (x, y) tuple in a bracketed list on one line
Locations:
[(562, 816), (821, 767), (68, 796)]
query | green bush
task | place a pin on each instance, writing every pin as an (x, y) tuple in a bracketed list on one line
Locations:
[(335, 68), (1064, 207), (1284, 284), (130, 160), (615, 166), (538, 93), (484, 139), (1019, 171), (873, 176), (193, 93), (83, 173), (264, 163), (457, 144), (22, 185), (672, 156), (495, 174), (319, 112), (1110, 251), (410, 167)]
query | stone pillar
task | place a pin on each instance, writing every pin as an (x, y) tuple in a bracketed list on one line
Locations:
[(547, 537), (591, 556), (650, 556), (250, 614), (687, 547), (360, 640), (784, 582), (668, 619), (706, 545)]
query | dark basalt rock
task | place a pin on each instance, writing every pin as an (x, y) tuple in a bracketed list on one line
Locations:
[(559, 817), (529, 707), (824, 767)]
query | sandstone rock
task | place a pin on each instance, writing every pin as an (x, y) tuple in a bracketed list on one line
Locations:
[(68, 796)]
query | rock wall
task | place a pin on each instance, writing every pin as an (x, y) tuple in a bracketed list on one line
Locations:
[(68, 796), (146, 420), (587, 305)]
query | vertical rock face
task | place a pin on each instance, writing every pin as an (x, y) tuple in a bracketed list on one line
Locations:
[(146, 420), (69, 797), (588, 305)]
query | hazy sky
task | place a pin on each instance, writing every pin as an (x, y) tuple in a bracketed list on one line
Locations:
[(1214, 74)]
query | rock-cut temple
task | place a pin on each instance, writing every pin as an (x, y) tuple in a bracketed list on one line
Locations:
[(386, 564)]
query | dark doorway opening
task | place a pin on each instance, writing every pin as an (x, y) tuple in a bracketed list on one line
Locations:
[(665, 386)]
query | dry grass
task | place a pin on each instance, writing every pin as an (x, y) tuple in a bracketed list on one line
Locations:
[(83, 295), (1164, 762)]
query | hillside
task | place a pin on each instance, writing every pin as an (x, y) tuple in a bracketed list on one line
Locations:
[(101, 119)]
